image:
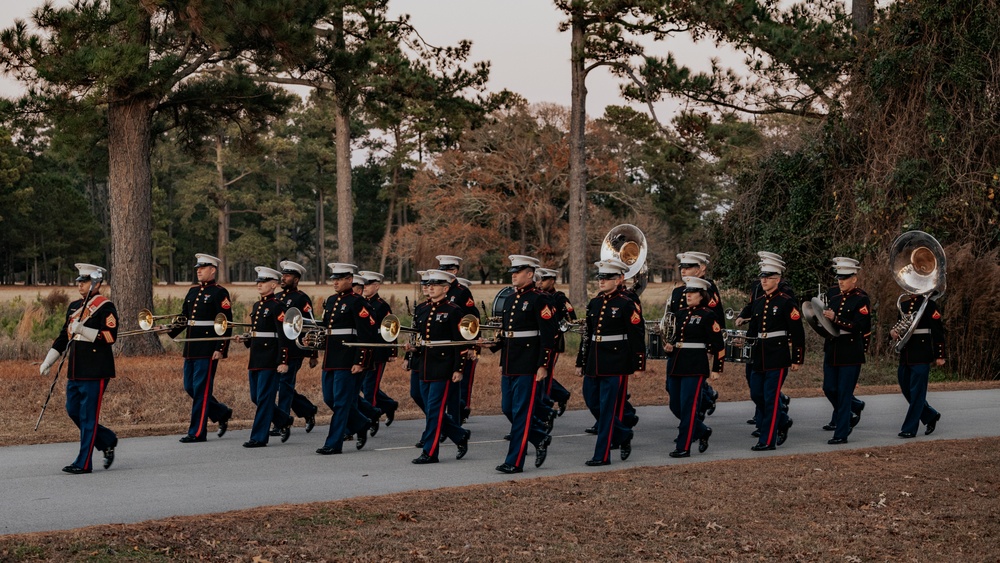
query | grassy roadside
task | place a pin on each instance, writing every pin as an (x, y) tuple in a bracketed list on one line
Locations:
[(914, 502)]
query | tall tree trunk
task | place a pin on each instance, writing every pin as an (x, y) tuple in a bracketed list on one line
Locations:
[(320, 236), (345, 200), (862, 15), (131, 197), (222, 233), (578, 162)]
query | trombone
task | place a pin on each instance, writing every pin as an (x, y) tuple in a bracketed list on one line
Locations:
[(220, 325), (147, 323)]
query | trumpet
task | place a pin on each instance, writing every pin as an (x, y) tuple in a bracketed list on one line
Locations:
[(147, 323), (578, 326)]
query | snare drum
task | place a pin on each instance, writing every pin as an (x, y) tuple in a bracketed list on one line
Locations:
[(654, 347), (738, 346)]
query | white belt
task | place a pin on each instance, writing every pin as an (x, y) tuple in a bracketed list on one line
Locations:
[(519, 333), (773, 334), (201, 323), (692, 345), (609, 338), (256, 334), (921, 331), (341, 331), (435, 341)]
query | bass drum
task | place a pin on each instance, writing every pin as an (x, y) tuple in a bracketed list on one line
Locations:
[(500, 301)]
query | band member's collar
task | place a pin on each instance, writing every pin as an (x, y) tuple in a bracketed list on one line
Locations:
[(208, 283), (346, 291), (531, 285)]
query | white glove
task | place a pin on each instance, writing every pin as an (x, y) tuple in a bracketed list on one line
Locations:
[(50, 360), (87, 334), (75, 327)]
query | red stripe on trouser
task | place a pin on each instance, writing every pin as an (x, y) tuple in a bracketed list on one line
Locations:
[(204, 399), (611, 431), (555, 360), (527, 422), (379, 370), (97, 421), (622, 394), (774, 413), (437, 433), (694, 411)]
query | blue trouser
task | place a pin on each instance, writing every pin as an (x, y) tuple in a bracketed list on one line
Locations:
[(83, 405), (913, 384), (371, 389), (366, 409), (438, 421), (517, 402), (199, 379), (765, 391), (263, 389), (468, 375), (610, 430), (415, 393), (592, 396), (340, 393), (453, 404), (707, 396), (838, 386), (289, 400), (685, 398)]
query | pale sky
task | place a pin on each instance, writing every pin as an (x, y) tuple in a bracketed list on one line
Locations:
[(520, 37)]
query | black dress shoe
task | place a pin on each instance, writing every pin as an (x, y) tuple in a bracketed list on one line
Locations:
[(254, 444), (703, 441), (506, 437), (785, 399), (311, 421), (442, 438), (423, 459), (542, 451), (755, 433), (932, 425), (783, 433), (626, 449), (596, 462), (591, 430), (109, 457), (830, 427), (761, 447), (348, 437), (390, 415), (74, 470), (562, 408), (325, 450), (751, 421), (419, 444), (855, 419), (508, 468), (466, 413), (189, 439), (711, 409), (907, 434), (374, 428), (274, 432), (224, 423), (680, 453), (362, 437), (285, 433), (836, 441), (463, 446)]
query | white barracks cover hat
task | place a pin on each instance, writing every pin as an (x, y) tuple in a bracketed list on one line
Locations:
[(446, 261), (89, 272), (845, 267), (371, 277), (341, 270), (267, 274), (289, 267), (519, 262), (206, 260), (611, 266), (439, 277), (693, 283)]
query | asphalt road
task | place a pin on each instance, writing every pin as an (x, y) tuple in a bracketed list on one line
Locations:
[(157, 477)]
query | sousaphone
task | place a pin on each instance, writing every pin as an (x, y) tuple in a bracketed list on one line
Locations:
[(918, 264), (627, 243)]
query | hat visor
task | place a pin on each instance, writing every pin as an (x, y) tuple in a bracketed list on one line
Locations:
[(82, 278), (845, 276), (767, 274), (292, 272), (688, 265), (341, 276), (203, 264), (259, 280), (515, 269), (692, 289)]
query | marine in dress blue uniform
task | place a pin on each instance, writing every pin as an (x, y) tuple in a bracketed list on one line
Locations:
[(554, 393), (526, 343), (695, 264), (698, 342), (412, 359), (347, 319), (289, 399), (366, 408), (615, 348), (850, 312), (371, 387), (88, 333), (925, 346), (201, 357), (268, 358), (440, 366), (779, 345), (743, 318), (460, 400)]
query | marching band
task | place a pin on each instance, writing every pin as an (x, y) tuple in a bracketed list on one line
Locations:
[(527, 324)]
